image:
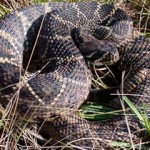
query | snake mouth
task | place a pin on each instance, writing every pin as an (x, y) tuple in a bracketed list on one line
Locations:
[(107, 59)]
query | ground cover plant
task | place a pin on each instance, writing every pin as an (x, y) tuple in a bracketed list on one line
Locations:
[(23, 133)]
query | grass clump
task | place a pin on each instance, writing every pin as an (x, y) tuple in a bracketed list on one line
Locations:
[(140, 12)]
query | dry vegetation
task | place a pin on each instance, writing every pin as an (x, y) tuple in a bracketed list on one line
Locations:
[(23, 134)]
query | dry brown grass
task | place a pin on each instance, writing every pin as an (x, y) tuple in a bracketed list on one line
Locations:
[(16, 134)]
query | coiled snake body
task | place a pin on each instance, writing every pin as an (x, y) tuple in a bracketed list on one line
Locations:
[(59, 37)]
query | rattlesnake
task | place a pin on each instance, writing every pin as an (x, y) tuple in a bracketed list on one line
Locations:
[(63, 38)]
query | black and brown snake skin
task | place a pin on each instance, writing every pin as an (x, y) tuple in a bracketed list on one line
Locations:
[(61, 38)]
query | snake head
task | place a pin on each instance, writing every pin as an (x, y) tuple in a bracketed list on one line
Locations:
[(100, 52)]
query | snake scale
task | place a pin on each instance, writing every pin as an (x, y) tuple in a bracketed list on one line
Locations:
[(57, 40)]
